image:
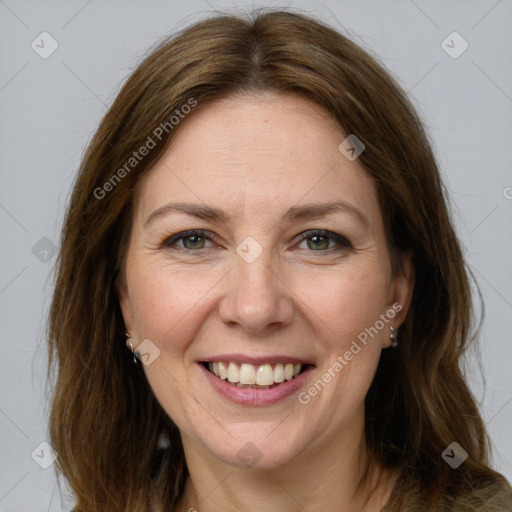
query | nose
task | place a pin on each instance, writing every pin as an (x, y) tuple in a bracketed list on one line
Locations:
[(257, 297)]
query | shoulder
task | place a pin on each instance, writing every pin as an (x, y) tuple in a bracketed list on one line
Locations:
[(493, 497), (480, 496)]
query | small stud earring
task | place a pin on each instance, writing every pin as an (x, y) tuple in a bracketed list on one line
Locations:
[(393, 336), (131, 346)]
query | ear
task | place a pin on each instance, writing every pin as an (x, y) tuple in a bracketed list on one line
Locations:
[(402, 288), (125, 305)]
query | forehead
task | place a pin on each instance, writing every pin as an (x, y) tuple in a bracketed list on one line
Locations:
[(257, 154)]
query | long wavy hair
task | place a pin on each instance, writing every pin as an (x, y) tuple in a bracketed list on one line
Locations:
[(105, 422)]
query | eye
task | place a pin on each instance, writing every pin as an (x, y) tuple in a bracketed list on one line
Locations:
[(319, 240), (192, 240)]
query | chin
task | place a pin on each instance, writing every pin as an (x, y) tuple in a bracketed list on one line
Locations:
[(256, 450)]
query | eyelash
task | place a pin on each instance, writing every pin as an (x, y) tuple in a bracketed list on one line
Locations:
[(207, 235)]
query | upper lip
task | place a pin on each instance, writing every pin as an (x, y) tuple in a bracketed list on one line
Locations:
[(256, 361)]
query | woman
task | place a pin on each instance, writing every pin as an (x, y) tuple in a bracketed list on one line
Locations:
[(260, 220)]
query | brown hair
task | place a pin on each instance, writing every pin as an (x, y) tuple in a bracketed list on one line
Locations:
[(419, 402)]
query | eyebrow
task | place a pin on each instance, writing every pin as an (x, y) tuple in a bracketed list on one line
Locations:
[(312, 211)]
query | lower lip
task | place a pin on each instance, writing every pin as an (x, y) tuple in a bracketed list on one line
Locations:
[(256, 397)]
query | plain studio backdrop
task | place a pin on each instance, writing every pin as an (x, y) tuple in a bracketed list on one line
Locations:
[(62, 62)]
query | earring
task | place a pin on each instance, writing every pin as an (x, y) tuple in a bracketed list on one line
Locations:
[(393, 336), (131, 346)]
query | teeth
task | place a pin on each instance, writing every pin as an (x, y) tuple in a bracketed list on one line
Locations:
[(247, 374), (233, 373), (279, 373), (265, 375), (253, 376)]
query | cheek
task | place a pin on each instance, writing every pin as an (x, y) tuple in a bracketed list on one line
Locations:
[(169, 309), (167, 302), (347, 307), (346, 300)]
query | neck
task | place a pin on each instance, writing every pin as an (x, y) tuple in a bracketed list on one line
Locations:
[(321, 479)]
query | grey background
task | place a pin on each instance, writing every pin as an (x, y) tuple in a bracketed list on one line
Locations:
[(50, 108)]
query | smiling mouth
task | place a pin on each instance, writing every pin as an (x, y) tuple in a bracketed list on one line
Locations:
[(265, 376)]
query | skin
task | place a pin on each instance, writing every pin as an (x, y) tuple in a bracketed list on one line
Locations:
[(255, 156)]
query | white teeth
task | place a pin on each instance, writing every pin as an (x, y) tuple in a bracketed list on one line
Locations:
[(247, 374), (233, 372), (250, 375), (265, 375), (223, 374), (279, 373)]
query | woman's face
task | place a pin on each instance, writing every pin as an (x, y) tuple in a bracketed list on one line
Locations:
[(276, 277)]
